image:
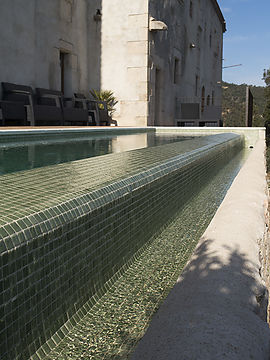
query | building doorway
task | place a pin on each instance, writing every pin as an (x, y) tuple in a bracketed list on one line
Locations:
[(203, 100), (65, 73)]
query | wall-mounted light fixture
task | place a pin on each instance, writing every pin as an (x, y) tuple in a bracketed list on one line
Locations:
[(97, 16), (192, 46), (156, 25)]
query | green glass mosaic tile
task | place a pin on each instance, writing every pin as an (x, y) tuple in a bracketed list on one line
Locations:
[(44, 187), (113, 326), (73, 241)]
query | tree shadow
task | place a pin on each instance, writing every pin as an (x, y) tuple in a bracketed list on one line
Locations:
[(216, 310)]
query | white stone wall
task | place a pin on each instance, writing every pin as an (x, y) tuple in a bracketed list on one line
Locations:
[(138, 64), (188, 41), (124, 60), (117, 53), (32, 34)]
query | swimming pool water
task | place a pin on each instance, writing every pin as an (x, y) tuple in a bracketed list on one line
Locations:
[(33, 154)]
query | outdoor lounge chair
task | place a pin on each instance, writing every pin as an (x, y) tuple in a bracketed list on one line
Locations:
[(37, 113), (70, 114), (12, 113), (15, 104), (97, 109), (104, 116), (80, 101)]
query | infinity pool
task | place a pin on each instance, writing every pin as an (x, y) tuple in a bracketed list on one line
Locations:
[(70, 231), (33, 153)]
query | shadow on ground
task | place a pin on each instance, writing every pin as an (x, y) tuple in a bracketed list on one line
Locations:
[(217, 310)]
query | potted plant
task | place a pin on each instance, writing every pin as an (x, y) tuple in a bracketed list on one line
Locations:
[(105, 96)]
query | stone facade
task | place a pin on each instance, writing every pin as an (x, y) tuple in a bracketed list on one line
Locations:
[(155, 71), (163, 60), (35, 32)]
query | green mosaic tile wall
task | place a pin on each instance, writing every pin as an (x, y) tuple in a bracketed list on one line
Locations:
[(65, 234)]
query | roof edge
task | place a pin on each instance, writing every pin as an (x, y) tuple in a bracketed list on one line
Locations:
[(219, 14)]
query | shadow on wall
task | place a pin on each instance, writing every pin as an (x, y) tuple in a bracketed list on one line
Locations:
[(94, 44), (215, 311)]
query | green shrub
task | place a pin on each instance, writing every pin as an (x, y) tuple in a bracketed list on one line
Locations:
[(107, 96)]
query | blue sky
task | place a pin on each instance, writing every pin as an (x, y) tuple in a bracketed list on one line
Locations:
[(247, 40)]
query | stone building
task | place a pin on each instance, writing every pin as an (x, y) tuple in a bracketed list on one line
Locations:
[(162, 59), (50, 44), (167, 60)]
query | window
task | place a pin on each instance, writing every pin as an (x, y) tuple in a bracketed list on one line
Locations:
[(191, 9), (208, 100), (210, 40), (203, 99), (176, 71), (196, 85), (65, 73), (62, 67), (213, 98)]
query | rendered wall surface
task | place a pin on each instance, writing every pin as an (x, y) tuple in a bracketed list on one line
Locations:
[(204, 31), (63, 239), (124, 63), (34, 32), (140, 65), (150, 72)]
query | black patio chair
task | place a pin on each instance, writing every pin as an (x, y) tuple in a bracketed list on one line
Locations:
[(80, 101), (38, 113), (97, 109), (104, 116), (15, 105), (70, 114), (12, 113)]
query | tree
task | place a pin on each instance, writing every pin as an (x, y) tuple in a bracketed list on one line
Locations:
[(266, 77), (234, 104), (266, 114)]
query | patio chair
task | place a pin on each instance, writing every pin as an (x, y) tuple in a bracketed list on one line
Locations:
[(80, 101), (12, 113), (70, 114), (105, 118), (43, 113), (15, 105), (97, 109)]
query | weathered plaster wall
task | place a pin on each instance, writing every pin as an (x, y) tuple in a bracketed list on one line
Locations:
[(204, 61), (117, 53), (124, 60), (139, 65), (32, 34), (94, 46)]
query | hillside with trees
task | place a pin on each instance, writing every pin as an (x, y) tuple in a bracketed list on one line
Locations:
[(234, 104)]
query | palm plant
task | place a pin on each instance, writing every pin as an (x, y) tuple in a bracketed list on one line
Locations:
[(105, 96)]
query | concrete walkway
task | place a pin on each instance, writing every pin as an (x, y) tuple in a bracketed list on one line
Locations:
[(216, 309)]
